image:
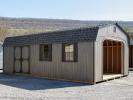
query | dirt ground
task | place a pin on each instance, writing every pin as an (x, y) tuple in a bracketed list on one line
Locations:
[(14, 87)]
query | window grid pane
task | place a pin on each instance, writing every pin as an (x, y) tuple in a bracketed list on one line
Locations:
[(69, 52), (45, 52)]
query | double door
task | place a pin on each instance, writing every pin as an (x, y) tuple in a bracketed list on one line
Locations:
[(22, 59)]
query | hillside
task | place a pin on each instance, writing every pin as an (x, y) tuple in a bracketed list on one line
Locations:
[(20, 26)]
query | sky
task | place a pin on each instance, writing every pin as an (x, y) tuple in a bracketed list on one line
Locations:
[(121, 10)]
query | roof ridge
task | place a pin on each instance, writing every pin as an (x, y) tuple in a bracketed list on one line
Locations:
[(75, 35)]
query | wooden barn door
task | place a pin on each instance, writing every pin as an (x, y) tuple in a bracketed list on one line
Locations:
[(22, 59), (112, 57)]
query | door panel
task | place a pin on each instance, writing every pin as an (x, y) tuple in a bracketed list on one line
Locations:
[(17, 62), (25, 52), (25, 57), (17, 66), (25, 66), (17, 53)]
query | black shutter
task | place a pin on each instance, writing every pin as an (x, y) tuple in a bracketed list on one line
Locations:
[(50, 51), (63, 52), (40, 49), (75, 52)]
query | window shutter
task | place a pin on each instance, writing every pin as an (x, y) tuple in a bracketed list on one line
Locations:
[(50, 52), (63, 50), (76, 52)]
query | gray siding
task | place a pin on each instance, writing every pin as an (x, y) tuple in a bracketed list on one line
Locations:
[(107, 33), (75, 71), (8, 59)]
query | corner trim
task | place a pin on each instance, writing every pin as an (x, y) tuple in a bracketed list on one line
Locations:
[(94, 62)]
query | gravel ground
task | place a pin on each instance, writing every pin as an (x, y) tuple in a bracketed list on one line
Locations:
[(14, 87)]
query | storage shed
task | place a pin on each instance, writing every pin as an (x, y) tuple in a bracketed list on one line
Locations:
[(87, 55)]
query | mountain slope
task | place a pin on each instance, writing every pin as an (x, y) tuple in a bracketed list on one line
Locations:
[(20, 26)]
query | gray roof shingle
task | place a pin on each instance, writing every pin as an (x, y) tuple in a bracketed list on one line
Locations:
[(68, 36)]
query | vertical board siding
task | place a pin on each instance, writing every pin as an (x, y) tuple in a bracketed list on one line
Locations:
[(75, 71), (8, 59)]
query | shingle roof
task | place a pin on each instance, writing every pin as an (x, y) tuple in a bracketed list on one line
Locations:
[(68, 36)]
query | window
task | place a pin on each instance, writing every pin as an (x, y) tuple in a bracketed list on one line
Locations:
[(114, 29), (69, 52), (45, 52)]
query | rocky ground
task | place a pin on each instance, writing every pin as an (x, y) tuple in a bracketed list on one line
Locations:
[(14, 87)]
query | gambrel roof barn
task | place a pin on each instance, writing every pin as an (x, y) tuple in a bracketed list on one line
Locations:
[(87, 55)]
